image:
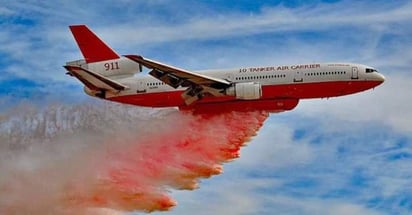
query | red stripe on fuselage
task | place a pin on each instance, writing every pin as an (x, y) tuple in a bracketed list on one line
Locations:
[(269, 92)]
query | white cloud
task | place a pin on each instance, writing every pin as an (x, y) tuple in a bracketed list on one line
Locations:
[(388, 104), (284, 150), (38, 51), (276, 19), (4, 11), (292, 205), (248, 196)]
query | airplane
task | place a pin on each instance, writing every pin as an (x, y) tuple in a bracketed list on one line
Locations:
[(110, 76)]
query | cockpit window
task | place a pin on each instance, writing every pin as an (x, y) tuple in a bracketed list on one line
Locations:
[(369, 70)]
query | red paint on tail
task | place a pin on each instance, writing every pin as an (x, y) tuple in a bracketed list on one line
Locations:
[(91, 46)]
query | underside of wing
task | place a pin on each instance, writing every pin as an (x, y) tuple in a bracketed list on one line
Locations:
[(198, 85), (93, 80)]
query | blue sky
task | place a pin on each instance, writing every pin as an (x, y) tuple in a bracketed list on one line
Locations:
[(348, 155)]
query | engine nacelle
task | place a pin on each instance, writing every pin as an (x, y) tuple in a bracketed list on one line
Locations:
[(245, 91)]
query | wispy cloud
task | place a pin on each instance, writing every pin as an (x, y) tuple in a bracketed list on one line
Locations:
[(135, 27), (268, 20), (387, 104)]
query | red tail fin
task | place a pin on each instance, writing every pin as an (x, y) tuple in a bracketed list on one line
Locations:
[(92, 47)]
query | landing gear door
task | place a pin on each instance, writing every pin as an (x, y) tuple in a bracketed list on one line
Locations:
[(355, 73)]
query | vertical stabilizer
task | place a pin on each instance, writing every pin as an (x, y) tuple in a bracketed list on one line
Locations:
[(91, 46)]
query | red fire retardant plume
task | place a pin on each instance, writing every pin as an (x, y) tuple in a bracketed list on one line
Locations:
[(127, 167)]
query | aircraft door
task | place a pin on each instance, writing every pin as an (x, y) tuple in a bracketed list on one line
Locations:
[(298, 76), (355, 73), (141, 86), (230, 77)]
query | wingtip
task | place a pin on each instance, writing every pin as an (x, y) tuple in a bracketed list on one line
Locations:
[(133, 56), (68, 67)]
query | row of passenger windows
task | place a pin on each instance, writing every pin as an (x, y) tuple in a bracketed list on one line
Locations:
[(155, 84), (326, 73), (260, 77), (267, 77)]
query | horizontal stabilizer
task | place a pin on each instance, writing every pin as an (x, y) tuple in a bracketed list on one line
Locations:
[(93, 80)]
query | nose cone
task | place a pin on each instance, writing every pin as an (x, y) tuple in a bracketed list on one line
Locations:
[(377, 79), (380, 78)]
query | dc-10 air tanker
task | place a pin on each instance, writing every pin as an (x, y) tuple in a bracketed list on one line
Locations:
[(110, 76)]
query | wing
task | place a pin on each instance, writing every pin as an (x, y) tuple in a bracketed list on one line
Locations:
[(198, 85), (93, 80)]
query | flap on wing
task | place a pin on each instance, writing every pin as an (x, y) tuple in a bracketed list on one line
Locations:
[(93, 80), (176, 77)]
